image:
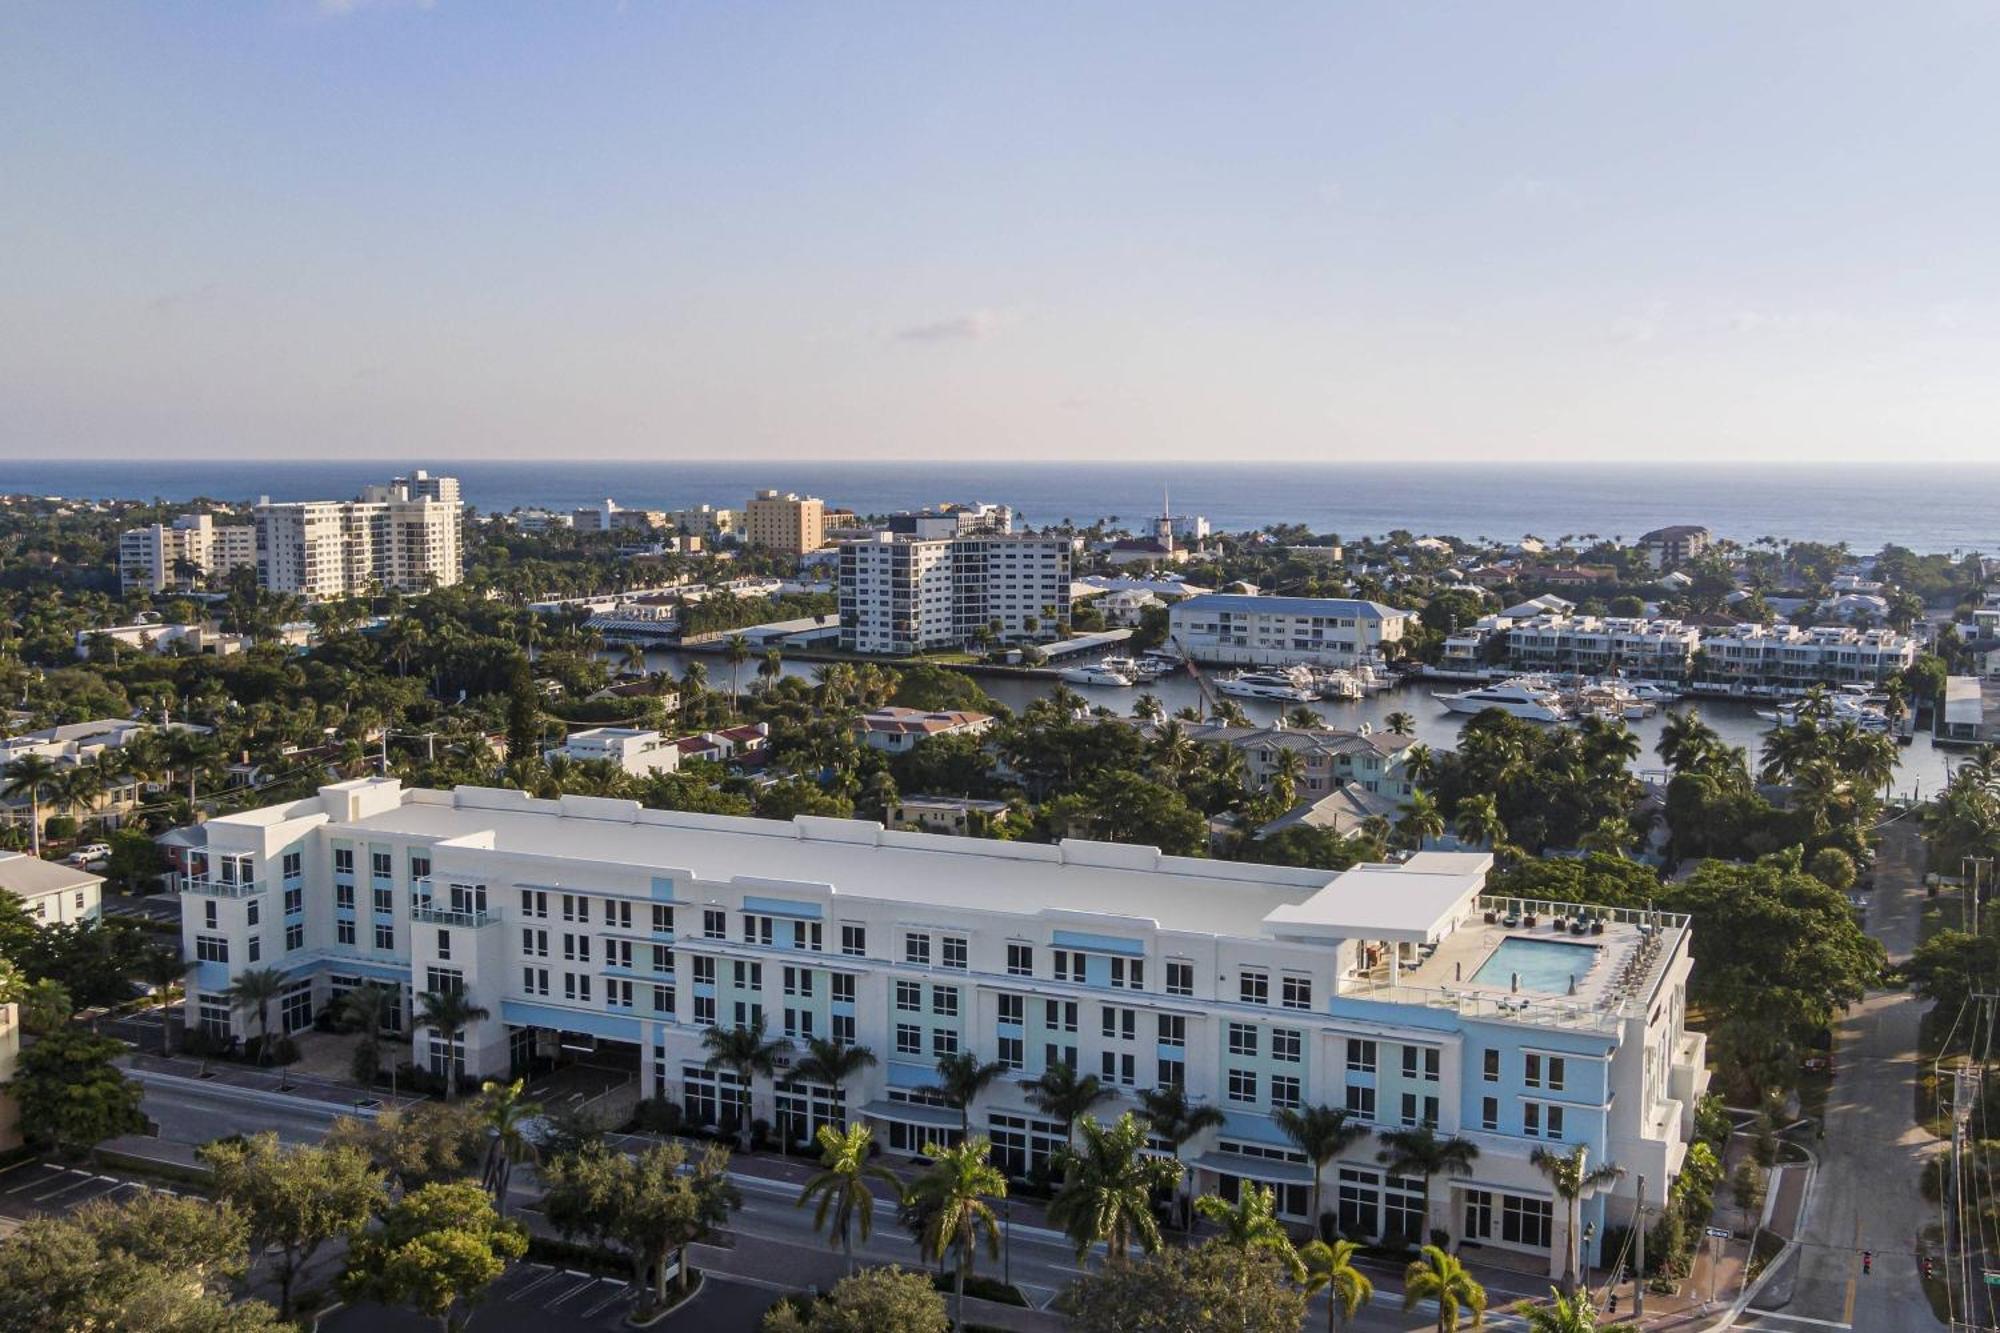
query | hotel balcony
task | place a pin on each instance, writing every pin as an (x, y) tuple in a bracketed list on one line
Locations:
[(221, 888)]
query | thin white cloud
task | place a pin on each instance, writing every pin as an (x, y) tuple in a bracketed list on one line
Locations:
[(342, 8)]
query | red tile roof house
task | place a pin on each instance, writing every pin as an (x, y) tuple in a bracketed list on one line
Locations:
[(898, 729)]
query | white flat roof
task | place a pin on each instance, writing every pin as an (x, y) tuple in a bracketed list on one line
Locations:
[(861, 859)]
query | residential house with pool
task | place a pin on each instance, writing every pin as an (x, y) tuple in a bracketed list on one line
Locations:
[(596, 930)]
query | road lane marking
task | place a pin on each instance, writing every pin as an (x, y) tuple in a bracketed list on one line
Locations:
[(1794, 1318)]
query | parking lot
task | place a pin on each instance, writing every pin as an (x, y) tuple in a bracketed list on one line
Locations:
[(32, 1189)]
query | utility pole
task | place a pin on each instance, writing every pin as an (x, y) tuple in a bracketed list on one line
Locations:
[(1639, 1261)]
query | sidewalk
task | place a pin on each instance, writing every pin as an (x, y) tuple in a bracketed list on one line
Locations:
[(306, 1087)]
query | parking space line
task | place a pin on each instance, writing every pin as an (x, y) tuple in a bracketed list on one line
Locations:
[(619, 1291), (6, 1170), (82, 1178), (588, 1281), (548, 1275), (52, 1173)]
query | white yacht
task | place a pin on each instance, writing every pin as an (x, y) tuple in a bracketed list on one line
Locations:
[(1338, 684), (1521, 697), (1285, 686), (1095, 673), (1857, 708), (1138, 672)]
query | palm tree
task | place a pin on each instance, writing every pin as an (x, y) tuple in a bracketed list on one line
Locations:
[(830, 1064), (507, 1113), (1173, 752), (1063, 1094), (960, 1079), (633, 659), (1251, 1223), (1304, 719), (745, 1052), (736, 652), (951, 1197), (1478, 821), (1567, 1314), (770, 667), (165, 971), (1437, 1276), (1178, 1121), (254, 988), (30, 776), (449, 1014), (1420, 1152), (1401, 724), (842, 1185), (1322, 1133), (1331, 1267), (1108, 1186), (1148, 708), (1573, 1179), (1420, 821), (1288, 768)]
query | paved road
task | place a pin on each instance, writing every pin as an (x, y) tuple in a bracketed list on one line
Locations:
[(1865, 1196)]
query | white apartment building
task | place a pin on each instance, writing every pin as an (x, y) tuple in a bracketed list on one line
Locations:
[(1661, 650), (1248, 630), (1395, 991), (637, 751), (192, 550), (1786, 658), (705, 521), (404, 535), (1330, 757), (904, 594)]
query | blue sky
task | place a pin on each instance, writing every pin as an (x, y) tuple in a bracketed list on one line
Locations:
[(1592, 231)]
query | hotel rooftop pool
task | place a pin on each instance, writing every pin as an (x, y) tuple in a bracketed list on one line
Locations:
[(1545, 967)]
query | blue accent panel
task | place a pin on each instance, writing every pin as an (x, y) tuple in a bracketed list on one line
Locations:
[(1250, 1127), (1096, 971), (1009, 1029), (663, 890), (910, 1076), (363, 968), (211, 977), (782, 907), (845, 1007), (1072, 939), (1171, 1053), (616, 1027)]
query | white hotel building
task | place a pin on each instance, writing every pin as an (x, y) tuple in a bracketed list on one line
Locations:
[(1285, 631), (1393, 990), (404, 535)]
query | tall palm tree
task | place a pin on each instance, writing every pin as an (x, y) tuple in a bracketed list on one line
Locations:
[(1322, 1133), (735, 652), (30, 776), (1251, 1223), (1174, 753), (1287, 768), (1478, 820), (1179, 1120), (830, 1064), (1420, 820), (1437, 1276), (1567, 1314), (746, 1053), (1063, 1094), (1573, 1179), (1229, 713), (166, 972), (506, 1112), (842, 1185), (1331, 1267), (449, 1014), (1108, 1184), (1148, 708), (254, 989), (951, 1197), (633, 658), (770, 667), (1401, 723), (1420, 1152), (961, 1077)]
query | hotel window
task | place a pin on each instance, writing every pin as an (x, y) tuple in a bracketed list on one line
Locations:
[(843, 1029), (343, 896), (535, 903), (534, 943), (1242, 1085), (1361, 1102), (1120, 1023), (944, 1041), (704, 1010), (1253, 987), (211, 914), (704, 970), (954, 952), (576, 987), (256, 949), (575, 907), (748, 1015), (910, 997), (1242, 1039), (382, 865), (1013, 1008), (576, 948), (917, 949), (1122, 1070), (420, 866), (663, 1000), (1285, 1094), (1060, 1015), (1526, 1221), (749, 976), (909, 1039), (944, 1001), (250, 913), (1011, 1053), (444, 981), (1286, 1045), (1421, 1062), (1053, 1055), (842, 985), (1128, 974), (1555, 1070), (806, 935), (444, 945), (343, 932), (1062, 958), (1360, 1055), (343, 860), (211, 949), (535, 980), (617, 914), (714, 923), (854, 941), (1173, 1073), (663, 958), (756, 929), (1180, 978), (293, 865), (385, 900), (295, 937), (1173, 1030), (1490, 1065), (1489, 1113), (1298, 993), (663, 917), (1020, 960), (295, 901), (385, 937)]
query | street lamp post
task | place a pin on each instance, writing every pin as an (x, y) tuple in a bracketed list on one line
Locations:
[(1007, 1240)]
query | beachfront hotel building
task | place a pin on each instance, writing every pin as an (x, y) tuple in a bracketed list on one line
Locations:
[(791, 524), (906, 594), (592, 925), (403, 535), (191, 550), (1245, 630)]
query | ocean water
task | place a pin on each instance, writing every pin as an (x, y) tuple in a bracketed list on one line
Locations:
[(1928, 508)]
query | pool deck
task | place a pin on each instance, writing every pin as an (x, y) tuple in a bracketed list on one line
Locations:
[(1461, 954)]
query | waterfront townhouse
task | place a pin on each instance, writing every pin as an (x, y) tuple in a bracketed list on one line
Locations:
[(589, 925), (1786, 659), (895, 729), (1248, 630), (1661, 650), (1330, 757)]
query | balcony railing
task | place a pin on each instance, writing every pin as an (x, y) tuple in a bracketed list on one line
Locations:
[(220, 888), (427, 912)]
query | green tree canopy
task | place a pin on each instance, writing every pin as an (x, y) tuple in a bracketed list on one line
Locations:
[(1212, 1286)]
